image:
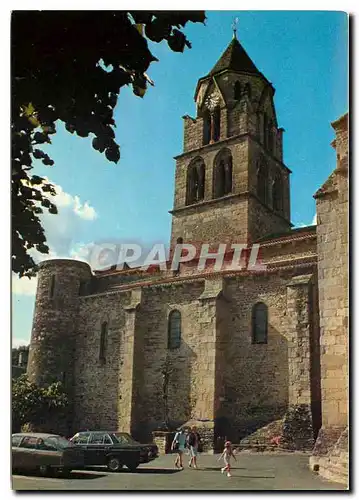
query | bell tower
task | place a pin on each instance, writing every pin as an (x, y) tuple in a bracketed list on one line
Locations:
[(231, 185)]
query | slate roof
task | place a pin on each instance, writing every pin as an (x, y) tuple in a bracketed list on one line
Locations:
[(235, 58)]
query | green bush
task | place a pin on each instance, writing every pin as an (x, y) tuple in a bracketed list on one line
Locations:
[(32, 404)]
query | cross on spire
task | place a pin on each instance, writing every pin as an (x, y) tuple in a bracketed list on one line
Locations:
[(234, 27)]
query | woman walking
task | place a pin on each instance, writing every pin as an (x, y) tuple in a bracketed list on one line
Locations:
[(178, 445), (193, 442)]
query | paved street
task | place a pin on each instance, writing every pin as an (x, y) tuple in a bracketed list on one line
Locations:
[(250, 472)]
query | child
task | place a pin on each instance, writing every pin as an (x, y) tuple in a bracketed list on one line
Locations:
[(226, 455)]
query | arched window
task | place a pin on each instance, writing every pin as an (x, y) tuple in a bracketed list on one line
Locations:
[(262, 182), (248, 90), (195, 181), (259, 323), (52, 287), (201, 176), (237, 91), (265, 130), (103, 342), (174, 330), (270, 140), (277, 193), (218, 180), (192, 184), (216, 124), (228, 176), (222, 174), (206, 127)]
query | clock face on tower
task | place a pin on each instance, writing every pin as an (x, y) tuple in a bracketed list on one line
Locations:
[(212, 101)]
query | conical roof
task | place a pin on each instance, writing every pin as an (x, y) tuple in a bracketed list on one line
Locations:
[(235, 58)]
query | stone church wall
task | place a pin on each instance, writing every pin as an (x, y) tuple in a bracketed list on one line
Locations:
[(333, 245), (330, 454), (256, 375), (103, 392), (262, 221), (187, 394), (225, 222)]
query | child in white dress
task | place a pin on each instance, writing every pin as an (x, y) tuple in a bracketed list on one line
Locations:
[(226, 455)]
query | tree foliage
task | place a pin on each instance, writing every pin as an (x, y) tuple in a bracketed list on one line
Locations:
[(32, 404), (70, 66)]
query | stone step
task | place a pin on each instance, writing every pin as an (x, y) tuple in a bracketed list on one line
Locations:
[(332, 471), (335, 475)]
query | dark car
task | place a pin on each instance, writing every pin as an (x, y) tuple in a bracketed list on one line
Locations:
[(45, 453), (114, 449)]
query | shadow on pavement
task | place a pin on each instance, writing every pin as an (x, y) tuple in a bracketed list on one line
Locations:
[(85, 475), (145, 470), (148, 470), (218, 468), (253, 477), (73, 475)]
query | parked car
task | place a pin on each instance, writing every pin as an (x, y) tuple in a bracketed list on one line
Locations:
[(114, 449), (45, 453)]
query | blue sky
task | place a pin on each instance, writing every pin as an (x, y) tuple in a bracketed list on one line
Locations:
[(304, 55)]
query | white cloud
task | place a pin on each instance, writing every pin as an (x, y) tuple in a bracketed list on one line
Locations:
[(19, 342), (61, 199), (23, 286), (61, 231), (84, 211), (82, 251), (314, 221)]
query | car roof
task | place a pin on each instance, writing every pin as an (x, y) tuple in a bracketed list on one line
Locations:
[(101, 432), (39, 435)]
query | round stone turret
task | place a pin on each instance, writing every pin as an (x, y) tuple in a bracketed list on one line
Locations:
[(52, 347)]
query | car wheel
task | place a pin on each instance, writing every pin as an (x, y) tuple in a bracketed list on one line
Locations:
[(113, 464), (44, 470), (133, 466)]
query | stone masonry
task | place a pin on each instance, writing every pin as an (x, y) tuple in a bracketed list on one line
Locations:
[(107, 333), (331, 451)]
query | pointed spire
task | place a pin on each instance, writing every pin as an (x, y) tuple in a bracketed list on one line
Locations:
[(234, 28), (235, 58)]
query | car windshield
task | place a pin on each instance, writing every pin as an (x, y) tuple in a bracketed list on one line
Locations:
[(123, 438), (60, 442)]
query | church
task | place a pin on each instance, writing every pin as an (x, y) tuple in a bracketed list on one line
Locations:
[(232, 350)]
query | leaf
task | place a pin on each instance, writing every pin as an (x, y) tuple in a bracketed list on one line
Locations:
[(28, 109), (98, 144), (139, 28), (41, 138), (177, 41), (35, 179), (139, 91), (37, 153), (53, 209), (34, 121), (48, 161), (158, 29), (113, 153)]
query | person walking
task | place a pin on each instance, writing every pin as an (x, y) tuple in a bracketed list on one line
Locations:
[(227, 454), (178, 445), (193, 442)]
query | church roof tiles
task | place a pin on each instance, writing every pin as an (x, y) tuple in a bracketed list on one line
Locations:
[(235, 58)]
